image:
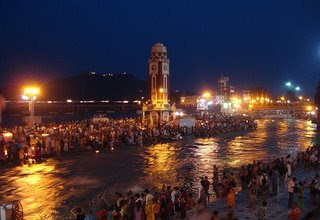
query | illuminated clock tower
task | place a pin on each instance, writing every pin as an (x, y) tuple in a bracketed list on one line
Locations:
[(158, 85), (159, 75)]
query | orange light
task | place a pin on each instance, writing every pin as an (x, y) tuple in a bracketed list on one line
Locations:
[(31, 91), (7, 134), (309, 107), (206, 95), (161, 90)]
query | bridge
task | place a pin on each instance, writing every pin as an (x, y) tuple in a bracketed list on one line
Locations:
[(286, 107), (21, 107)]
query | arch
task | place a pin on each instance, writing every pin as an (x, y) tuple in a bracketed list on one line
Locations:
[(153, 82)]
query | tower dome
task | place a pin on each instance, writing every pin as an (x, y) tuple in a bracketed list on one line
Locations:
[(158, 47)]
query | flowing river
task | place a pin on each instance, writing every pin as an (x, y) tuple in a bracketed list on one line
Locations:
[(46, 190)]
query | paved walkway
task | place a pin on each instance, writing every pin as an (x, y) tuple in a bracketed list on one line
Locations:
[(277, 207)]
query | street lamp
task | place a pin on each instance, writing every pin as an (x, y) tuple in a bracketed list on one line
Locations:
[(288, 84), (30, 94)]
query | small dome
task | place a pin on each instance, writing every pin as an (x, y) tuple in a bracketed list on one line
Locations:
[(159, 47)]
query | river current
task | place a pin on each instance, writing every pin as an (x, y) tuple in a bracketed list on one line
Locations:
[(46, 190)]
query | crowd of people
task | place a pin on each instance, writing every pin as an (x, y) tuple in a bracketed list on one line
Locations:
[(23, 144), (217, 123), (259, 180)]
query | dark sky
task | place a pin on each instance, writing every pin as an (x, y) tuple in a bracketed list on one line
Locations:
[(257, 42)]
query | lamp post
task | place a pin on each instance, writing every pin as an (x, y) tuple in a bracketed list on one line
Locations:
[(30, 94)]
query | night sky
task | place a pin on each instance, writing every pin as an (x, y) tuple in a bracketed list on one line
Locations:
[(256, 43)]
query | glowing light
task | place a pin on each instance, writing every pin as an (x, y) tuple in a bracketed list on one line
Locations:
[(297, 88), (44, 135), (309, 108), (179, 114), (31, 91), (69, 100), (161, 90), (288, 84), (237, 106), (282, 98), (206, 95), (225, 105), (210, 102), (7, 134), (97, 151), (300, 97), (24, 97)]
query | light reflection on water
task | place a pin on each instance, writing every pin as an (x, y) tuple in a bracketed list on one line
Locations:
[(272, 138), (35, 186), (43, 187)]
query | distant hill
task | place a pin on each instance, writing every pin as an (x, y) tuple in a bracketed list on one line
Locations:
[(87, 86)]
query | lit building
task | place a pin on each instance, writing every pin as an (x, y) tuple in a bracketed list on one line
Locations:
[(159, 75), (223, 87), (158, 81), (189, 101), (223, 84)]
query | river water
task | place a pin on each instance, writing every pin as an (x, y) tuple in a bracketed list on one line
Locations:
[(46, 190)]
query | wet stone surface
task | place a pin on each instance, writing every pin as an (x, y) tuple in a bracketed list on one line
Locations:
[(277, 207)]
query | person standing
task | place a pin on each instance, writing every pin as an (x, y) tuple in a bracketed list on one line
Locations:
[(275, 179), (149, 209), (243, 177), (291, 185), (294, 213), (262, 211), (300, 195), (252, 194), (231, 197)]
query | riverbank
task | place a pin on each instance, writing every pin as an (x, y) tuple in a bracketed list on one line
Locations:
[(277, 206), (75, 178)]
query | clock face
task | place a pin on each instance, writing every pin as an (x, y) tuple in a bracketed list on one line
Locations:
[(165, 67), (153, 67)]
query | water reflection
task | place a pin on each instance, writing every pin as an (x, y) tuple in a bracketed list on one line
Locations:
[(35, 186), (169, 163), (42, 188), (161, 165)]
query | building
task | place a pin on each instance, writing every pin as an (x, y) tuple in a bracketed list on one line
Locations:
[(189, 100), (223, 87), (222, 84), (159, 75), (158, 82)]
